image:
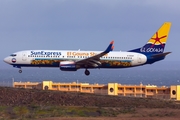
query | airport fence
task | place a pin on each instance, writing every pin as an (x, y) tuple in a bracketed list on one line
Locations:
[(6, 83)]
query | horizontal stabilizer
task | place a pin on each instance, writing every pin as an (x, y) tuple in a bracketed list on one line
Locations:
[(160, 55)]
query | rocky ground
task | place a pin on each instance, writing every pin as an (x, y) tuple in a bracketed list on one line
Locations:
[(24, 102), (18, 97)]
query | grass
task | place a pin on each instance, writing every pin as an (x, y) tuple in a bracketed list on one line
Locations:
[(33, 112)]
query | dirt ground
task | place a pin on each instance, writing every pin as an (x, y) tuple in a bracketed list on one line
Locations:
[(141, 114), (114, 118)]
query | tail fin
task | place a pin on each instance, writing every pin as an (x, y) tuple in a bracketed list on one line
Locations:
[(157, 42)]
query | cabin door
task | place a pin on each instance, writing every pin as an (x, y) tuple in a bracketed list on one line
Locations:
[(24, 57), (139, 58)]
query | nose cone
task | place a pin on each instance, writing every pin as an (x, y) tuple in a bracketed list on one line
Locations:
[(7, 60)]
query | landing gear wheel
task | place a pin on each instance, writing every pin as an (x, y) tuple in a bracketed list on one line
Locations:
[(20, 71), (87, 72)]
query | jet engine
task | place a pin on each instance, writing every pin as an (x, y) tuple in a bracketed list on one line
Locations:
[(67, 66)]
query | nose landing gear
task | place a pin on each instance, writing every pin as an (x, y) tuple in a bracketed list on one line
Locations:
[(20, 71), (87, 72)]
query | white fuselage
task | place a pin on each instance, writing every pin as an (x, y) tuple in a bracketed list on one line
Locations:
[(52, 58)]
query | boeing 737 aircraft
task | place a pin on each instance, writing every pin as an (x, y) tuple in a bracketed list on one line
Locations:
[(69, 60)]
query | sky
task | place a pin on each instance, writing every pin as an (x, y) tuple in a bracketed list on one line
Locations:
[(86, 24)]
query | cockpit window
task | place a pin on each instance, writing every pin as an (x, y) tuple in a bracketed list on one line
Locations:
[(13, 55)]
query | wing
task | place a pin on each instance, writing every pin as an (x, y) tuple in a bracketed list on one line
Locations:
[(94, 61)]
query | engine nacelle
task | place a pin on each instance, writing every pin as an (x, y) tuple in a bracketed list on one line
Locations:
[(67, 66)]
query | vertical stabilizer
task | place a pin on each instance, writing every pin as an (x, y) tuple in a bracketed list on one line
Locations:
[(157, 42)]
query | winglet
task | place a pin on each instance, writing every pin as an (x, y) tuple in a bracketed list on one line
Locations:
[(110, 47)]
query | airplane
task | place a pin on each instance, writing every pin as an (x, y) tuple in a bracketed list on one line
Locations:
[(71, 60)]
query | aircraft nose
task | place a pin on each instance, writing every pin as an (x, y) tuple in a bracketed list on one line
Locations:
[(6, 60)]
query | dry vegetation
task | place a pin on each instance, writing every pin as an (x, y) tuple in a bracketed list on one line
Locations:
[(35, 104)]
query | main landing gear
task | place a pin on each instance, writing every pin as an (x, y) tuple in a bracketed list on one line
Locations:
[(87, 72)]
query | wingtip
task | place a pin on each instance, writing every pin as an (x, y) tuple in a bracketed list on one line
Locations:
[(112, 42), (110, 47)]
